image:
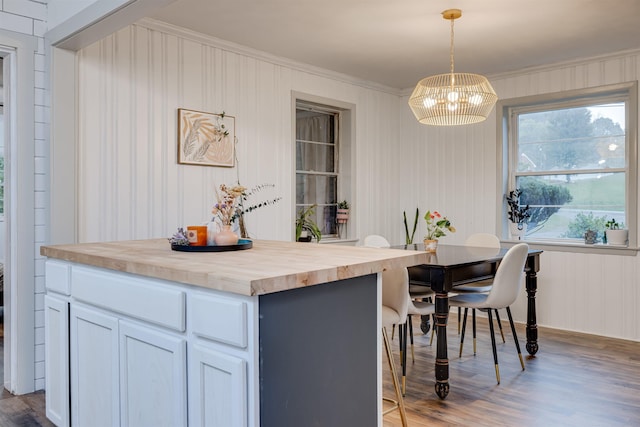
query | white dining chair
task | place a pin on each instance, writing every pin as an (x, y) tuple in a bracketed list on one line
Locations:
[(483, 240), (415, 291), (507, 284), (394, 312), (376, 241)]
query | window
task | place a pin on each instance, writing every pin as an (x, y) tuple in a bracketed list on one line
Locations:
[(573, 155), (318, 178)]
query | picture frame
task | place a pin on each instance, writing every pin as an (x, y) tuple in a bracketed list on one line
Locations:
[(206, 139)]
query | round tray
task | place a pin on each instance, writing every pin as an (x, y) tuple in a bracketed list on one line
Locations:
[(241, 245)]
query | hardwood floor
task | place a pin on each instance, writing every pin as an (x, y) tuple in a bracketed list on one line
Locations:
[(574, 380), (20, 411)]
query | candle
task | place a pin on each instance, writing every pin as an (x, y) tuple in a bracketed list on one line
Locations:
[(197, 235)]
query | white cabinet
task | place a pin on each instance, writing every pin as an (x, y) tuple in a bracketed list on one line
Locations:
[(217, 388), (94, 367), (119, 350), (56, 330), (153, 381)]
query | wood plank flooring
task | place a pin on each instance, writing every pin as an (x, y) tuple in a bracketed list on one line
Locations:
[(574, 380), (20, 411)]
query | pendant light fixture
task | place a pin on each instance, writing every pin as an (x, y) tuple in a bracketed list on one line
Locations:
[(454, 98)]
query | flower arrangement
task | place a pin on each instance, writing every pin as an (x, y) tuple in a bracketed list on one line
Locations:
[(179, 238), (437, 225), (517, 213), (226, 209)]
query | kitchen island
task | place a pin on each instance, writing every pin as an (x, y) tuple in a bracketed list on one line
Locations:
[(282, 334)]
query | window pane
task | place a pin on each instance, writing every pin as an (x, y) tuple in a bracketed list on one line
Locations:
[(314, 157), (572, 139), (320, 189), (566, 206), (315, 126)]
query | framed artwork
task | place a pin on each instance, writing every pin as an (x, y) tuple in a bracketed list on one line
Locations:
[(206, 139)]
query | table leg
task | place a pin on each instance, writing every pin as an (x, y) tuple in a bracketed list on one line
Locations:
[(442, 360), (532, 287)]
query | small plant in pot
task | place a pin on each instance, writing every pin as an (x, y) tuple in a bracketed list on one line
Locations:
[(342, 215), (437, 226), (615, 233), (306, 227), (517, 214)]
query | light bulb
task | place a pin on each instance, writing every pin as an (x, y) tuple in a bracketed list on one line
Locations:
[(452, 106), (452, 96)]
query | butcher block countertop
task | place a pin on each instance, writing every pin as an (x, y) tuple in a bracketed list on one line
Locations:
[(270, 266)]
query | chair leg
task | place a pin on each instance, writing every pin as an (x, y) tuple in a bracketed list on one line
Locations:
[(515, 337), (493, 345), (459, 311), (473, 318), (464, 327), (399, 403), (393, 332), (413, 356), (500, 325), (402, 332)]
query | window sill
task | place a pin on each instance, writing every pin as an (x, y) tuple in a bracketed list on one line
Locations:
[(335, 241), (577, 247)]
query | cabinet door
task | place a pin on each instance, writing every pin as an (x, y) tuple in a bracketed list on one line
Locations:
[(152, 377), (56, 331), (217, 388), (94, 368)]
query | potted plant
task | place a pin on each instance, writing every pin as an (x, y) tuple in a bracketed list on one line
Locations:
[(436, 227), (615, 233), (342, 215), (408, 238), (517, 214), (305, 225)]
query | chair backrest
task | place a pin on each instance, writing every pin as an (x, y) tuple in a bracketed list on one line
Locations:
[(395, 291), (483, 240), (508, 281), (376, 241)]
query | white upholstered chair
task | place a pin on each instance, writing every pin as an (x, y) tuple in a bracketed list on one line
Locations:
[(376, 241), (483, 240), (395, 305), (507, 284), (415, 291)]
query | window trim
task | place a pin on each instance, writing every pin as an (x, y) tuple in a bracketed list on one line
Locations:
[(505, 108), (345, 162)]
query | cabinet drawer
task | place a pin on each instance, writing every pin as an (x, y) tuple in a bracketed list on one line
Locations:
[(57, 277), (139, 298), (219, 319)]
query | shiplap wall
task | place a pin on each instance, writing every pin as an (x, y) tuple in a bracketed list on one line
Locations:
[(591, 293), (131, 187)]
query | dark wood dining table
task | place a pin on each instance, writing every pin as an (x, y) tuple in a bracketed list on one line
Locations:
[(453, 265)]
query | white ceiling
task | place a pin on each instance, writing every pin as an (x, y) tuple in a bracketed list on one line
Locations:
[(398, 42)]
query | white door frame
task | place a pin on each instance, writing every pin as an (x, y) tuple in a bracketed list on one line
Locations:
[(19, 75)]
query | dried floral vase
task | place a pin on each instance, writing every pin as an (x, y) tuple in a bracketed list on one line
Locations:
[(430, 245), (517, 231), (213, 228), (226, 237)]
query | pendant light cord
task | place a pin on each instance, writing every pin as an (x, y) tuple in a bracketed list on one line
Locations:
[(451, 49)]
